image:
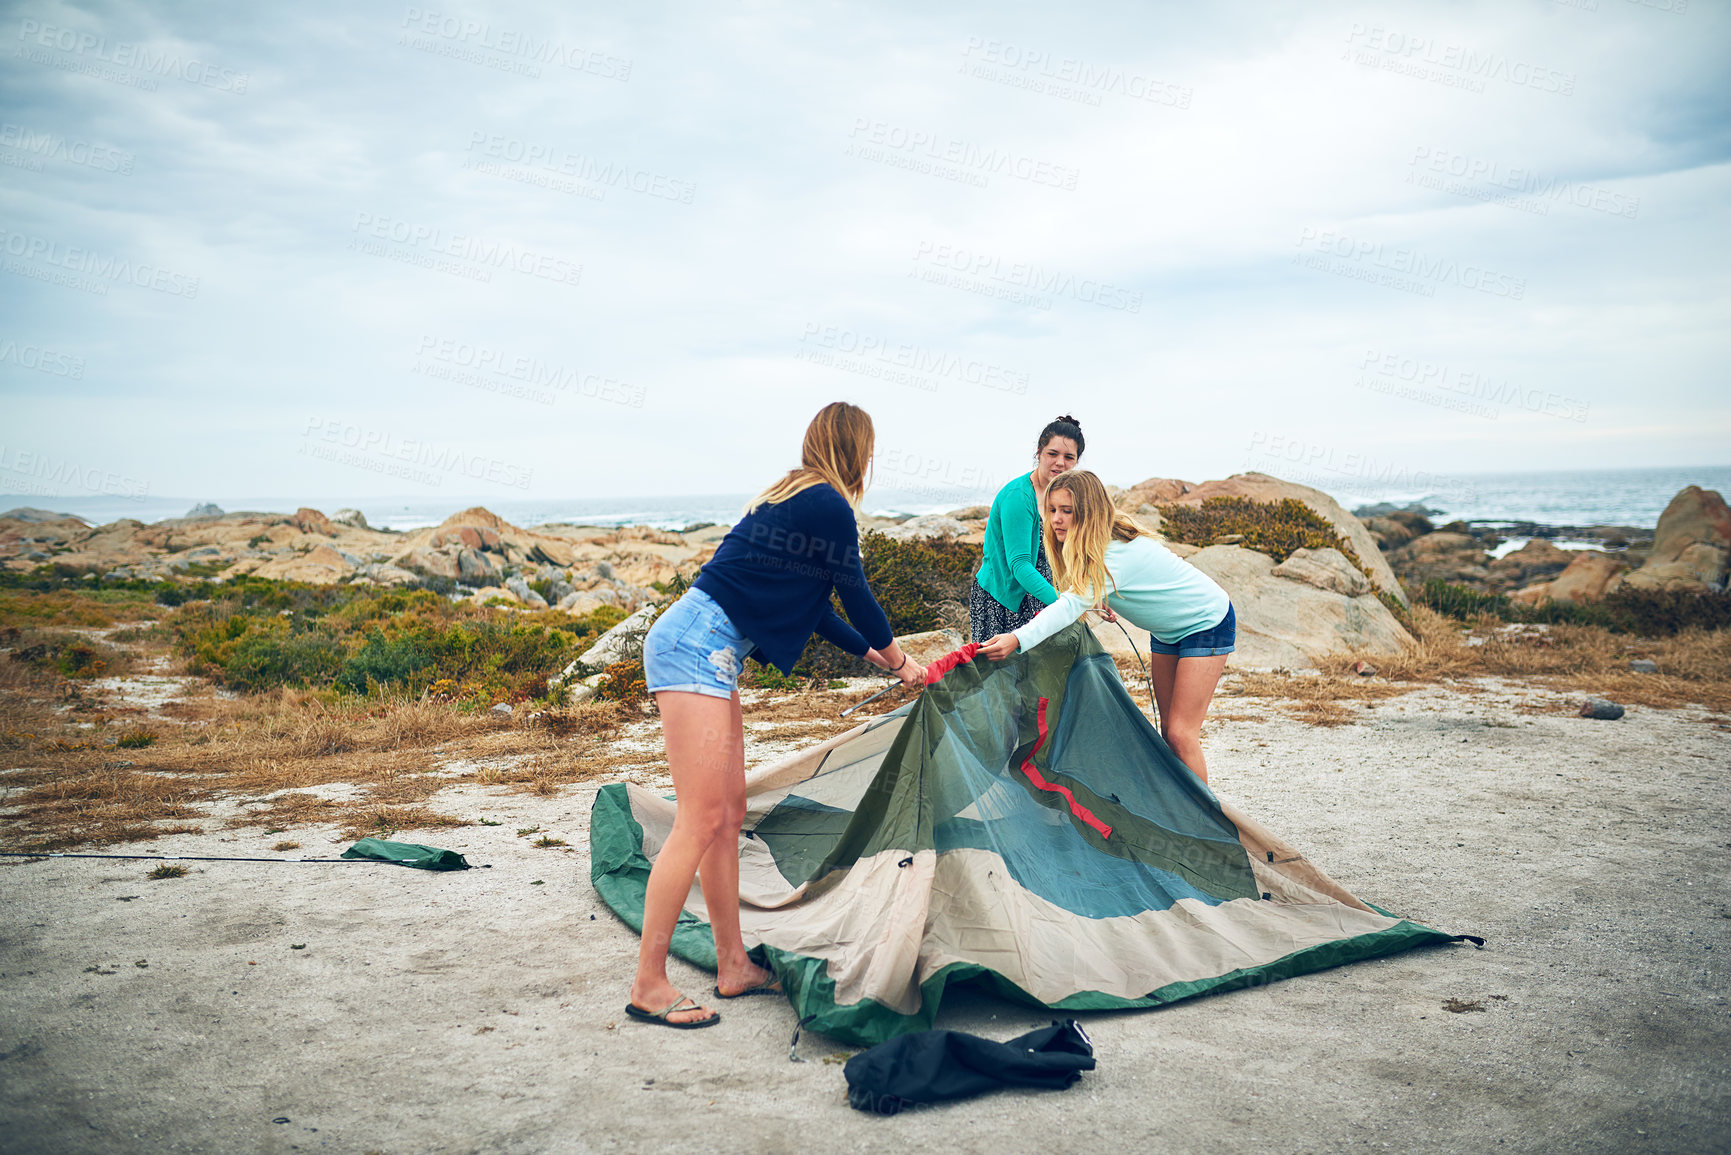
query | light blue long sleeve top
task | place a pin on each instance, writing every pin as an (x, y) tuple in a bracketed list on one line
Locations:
[(1157, 590)]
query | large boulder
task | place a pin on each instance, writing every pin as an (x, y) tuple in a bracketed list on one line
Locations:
[(1262, 487), (1389, 534), (1295, 623), (432, 562), (1691, 546), (312, 521), (477, 569), (1442, 556), (583, 602), (621, 643), (926, 528), (1589, 577), (1535, 561), (1153, 491), (525, 593), (320, 565), (1326, 569)]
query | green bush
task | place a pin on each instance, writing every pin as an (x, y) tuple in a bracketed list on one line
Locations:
[(266, 658), (253, 635), (384, 661), (1647, 613), (1276, 528), (913, 579), (68, 655)]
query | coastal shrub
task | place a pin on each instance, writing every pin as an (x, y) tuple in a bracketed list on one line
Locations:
[(913, 580), (68, 655), (1645, 613), (1276, 528), (921, 585), (255, 635), (383, 661), (263, 659), (767, 677), (1661, 613), (624, 682)]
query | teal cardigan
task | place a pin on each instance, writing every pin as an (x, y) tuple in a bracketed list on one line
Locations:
[(1013, 531)]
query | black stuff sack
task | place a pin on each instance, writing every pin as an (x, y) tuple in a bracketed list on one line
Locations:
[(933, 1066)]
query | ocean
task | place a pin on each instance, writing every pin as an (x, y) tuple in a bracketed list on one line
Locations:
[(1632, 497)]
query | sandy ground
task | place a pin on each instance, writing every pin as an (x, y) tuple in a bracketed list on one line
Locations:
[(481, 1011)]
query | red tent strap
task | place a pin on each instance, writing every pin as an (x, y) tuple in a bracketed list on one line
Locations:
[(1034, 776), (950, 661)]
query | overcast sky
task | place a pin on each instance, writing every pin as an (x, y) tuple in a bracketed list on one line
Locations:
[(341, 251)]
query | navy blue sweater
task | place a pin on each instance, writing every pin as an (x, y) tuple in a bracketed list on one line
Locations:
[(774, 571)]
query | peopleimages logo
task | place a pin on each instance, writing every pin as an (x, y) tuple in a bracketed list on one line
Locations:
[(1477, 177), (477, 250), (1070, 77), (89, 47), (1026, 275), (562, 162), (41, 358), (85, 263), (1470, 385), (534, 374), (879, 140), (407, 453), (1412, 264), (901, 362), (466, 39), (1455, 65), (72, 150), (56, 475)]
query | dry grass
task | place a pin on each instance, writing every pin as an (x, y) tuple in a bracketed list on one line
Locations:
[(1313, 700), (1695, 666), (68, 785), (84, 609), (294, 758)]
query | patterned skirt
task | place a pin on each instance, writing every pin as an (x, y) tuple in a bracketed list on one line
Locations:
[(986, 617)]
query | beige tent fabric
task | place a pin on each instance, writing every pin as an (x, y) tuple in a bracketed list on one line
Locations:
[(884, 927)]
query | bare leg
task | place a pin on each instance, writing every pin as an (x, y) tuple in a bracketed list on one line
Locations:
[(719, 871), (1192, 688), (1162, 669), (706, 761)]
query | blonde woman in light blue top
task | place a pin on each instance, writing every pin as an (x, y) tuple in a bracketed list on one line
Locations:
[(1101, 557)]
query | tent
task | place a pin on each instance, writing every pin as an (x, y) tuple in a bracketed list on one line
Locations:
[(1020, 826)]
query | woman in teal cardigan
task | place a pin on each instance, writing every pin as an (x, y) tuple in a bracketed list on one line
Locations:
[(1014, 582)]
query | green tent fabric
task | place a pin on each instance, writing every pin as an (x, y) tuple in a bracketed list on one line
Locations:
[(1021, 827), (407, 854)]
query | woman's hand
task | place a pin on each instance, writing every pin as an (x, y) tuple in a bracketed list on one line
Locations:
[(1105, 612), (999, 647), (910, 672)]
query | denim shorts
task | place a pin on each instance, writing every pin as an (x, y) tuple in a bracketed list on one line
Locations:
[(693, 648), (1220, 638)]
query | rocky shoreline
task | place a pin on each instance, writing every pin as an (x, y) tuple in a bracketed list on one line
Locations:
[(1296, 607), (1686, 551)]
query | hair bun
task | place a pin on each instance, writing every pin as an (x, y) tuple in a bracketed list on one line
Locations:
[(1067, 419)]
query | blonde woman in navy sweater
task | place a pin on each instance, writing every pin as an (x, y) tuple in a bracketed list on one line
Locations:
[(764, 593)]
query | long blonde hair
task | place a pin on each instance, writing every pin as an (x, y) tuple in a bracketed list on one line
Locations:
[(837, 451), (1079, 561)]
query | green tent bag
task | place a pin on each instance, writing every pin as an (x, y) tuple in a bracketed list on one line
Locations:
[(407, 854)]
